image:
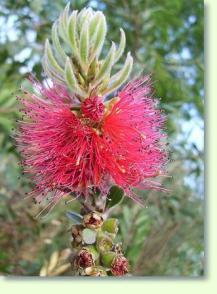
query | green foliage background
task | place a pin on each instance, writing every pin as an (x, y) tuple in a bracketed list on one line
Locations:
[(166, 39)]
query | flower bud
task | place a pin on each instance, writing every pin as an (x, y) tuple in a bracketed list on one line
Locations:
[(86, 257), (116, 262), (76, 234), (119, 266), (96, 271), (93, 220), (107, 258), (110, 225), (104, 242)]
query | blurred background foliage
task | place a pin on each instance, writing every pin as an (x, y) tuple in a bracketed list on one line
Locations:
[(167, 236)]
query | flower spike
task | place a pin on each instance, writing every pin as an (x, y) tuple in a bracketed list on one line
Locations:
[(74, 142)]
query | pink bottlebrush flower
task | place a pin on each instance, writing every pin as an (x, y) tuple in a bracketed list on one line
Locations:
[(72, 147), (133, 131)]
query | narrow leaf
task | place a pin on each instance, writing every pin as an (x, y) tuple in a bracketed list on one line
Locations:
[(72, 32), (84, 14), (51, 59), (100, 37), (106, 66), (93, 25), (84, 44), (121, 46), (51, 72), (71, 79), (81, 17), (57, 46), (69, 75), (119, 78), (63, 21)]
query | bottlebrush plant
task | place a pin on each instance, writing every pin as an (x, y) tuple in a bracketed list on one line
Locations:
[(86, 135)]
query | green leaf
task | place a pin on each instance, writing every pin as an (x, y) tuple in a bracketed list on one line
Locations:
[(56, 44), (84, 45), (84, 14), (115, 196), (51, 72), (63, 21), (119, 78), (100, 37), (51, 61), (110, 225), (121, 46), (107, 258), (106, 66), (71, 79), (94, 24), (72, 32)]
